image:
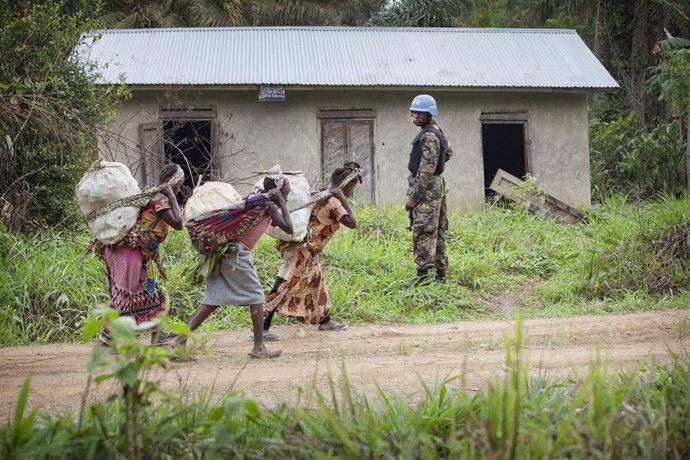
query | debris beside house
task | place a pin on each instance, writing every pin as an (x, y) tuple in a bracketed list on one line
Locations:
[(538, 201)]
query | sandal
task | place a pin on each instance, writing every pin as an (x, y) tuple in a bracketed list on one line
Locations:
[(270, 337), (178, 349), (179, 356), (334, 327), (163, 338), (267, 336), (265, 353), (103, 339)]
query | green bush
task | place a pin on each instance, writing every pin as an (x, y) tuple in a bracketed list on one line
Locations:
[(627, 253), (51, 112), (635, 162)]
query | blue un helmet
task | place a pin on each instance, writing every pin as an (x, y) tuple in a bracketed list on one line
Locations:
[(424, 103)]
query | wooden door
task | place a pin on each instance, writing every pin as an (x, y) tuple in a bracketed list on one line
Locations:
[(349, 140), (151, 150)]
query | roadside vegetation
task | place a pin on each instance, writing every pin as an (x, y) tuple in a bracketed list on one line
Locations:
[(642, 414)]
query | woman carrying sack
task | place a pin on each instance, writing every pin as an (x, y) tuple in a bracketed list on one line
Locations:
[(133, 290), (232, 277), (300, 291)]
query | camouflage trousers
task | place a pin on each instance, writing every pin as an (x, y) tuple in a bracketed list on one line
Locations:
[(429, 234)]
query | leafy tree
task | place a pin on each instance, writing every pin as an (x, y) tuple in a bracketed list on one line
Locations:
[(317, 13), (672, 76), (50, 112), (135, 14), (537, 13), (421, 13), (678, 24), (621, 33), (638, 162), (485, 13), (214, 13)]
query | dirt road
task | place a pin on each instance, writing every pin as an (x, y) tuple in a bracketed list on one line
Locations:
[(395, 357)]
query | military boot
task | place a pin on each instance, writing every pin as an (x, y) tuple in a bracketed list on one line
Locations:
[(440, 276), (422, 279)]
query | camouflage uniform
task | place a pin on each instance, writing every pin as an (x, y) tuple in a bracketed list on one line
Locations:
[(427, 188)]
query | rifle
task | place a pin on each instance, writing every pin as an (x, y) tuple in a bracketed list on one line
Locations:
[(411, 214)]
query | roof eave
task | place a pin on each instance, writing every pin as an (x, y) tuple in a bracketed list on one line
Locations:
[(253, 87)]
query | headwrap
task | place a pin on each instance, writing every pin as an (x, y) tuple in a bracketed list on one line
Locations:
[(354, 171), (177, 177)]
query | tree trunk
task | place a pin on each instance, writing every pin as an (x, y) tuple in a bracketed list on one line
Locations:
[(687, 157), (598, 17)]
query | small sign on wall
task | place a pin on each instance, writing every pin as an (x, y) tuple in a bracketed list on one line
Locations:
[(271, 93)]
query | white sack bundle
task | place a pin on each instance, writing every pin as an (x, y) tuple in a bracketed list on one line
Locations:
[(103, 184), (299, 195), (210, 197)]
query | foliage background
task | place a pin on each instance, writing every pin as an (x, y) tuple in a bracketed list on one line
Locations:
[(50, 113)]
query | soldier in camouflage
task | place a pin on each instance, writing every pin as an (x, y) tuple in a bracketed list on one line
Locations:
[(426, 192)]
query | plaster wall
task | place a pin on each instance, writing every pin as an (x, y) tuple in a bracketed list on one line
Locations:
[(256, 135)]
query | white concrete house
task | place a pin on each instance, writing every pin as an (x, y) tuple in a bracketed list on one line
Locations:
[(229, 101)]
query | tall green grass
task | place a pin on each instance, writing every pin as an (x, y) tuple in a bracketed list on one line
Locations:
[(621, 258), (47, 286)]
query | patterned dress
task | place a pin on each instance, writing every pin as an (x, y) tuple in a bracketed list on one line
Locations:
[(133, 291), (300, 290)]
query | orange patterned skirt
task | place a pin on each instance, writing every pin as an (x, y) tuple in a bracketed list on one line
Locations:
[(303, 295)]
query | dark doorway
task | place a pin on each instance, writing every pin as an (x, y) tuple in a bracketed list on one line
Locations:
[(503, 145), (188, 144)]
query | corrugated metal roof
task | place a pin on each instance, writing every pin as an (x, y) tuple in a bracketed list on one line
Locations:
[(344, 56)]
